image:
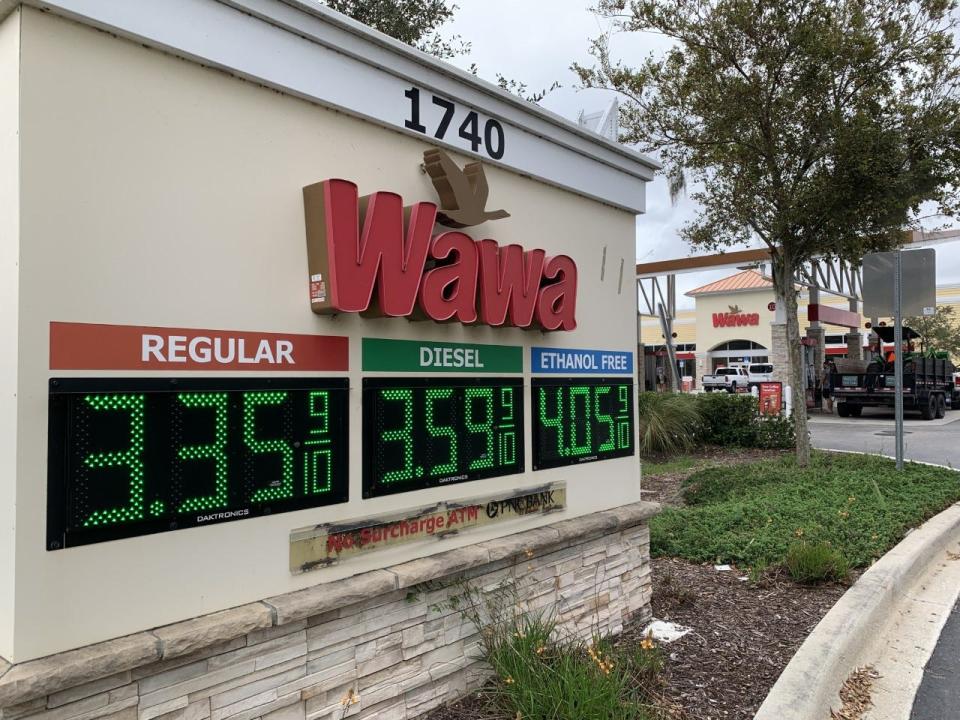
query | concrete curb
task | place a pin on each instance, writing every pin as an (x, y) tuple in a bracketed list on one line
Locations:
[(811, 681)]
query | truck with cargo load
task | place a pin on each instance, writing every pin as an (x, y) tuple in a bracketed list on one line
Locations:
[(928, 385)]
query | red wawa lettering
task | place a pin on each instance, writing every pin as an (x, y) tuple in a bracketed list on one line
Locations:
[(380, 267), (735, 320)]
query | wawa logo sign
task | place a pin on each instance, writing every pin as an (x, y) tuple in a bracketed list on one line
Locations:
[(735, 318), (374, 256)]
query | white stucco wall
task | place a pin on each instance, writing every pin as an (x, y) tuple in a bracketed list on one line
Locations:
[(159, 192), (9, 250)]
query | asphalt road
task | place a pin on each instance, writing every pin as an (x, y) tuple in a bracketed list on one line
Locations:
[(938, 697), (934, 441)]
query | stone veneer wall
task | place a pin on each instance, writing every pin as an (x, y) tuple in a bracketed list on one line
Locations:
[(778, 353), (388, 636)]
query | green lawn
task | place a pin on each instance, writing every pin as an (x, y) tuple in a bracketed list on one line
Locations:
[(750, 514), (678, 464)]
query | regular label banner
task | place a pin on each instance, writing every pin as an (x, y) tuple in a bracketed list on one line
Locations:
[(426, 356), (588, 362), (90, 346), (323, 545)]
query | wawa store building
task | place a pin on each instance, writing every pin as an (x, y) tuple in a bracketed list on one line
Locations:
[(300, 328), (732, 322)]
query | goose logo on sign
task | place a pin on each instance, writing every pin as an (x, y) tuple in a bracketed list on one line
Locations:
[(359, 245)]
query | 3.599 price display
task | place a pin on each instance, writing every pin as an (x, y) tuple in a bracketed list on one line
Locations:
[(424, 432), (577, 420), (131, 457)]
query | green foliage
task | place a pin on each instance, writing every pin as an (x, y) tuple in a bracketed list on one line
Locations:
[(817, 127), (756, 572), (728, 419), (816, 562), (673, 423), (748, 514), (415, 22), (418, 23), (667, 422), (539, 678), (940, 331), (775, 432), (673, 465)]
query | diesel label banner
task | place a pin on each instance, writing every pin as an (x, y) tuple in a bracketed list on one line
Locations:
[(324, 545)]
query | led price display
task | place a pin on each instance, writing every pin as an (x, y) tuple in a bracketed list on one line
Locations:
[(132, 457), (578, 420), (424, 432)]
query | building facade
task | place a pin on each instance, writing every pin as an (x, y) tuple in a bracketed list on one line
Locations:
[(732, 322)]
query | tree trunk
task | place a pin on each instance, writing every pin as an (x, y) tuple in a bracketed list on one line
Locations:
[(795, 367)]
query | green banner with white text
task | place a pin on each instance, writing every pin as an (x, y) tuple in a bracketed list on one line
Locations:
[(426, 356)]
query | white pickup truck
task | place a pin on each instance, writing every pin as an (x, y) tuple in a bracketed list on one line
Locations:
[(737, 377)]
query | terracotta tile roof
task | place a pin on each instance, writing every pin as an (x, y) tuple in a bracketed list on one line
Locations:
[(746, 280)]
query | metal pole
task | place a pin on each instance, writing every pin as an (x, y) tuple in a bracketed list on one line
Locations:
[(898, 361)]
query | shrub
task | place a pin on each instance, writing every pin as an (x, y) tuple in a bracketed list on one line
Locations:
[(816, 562), (754, 512), (668, 422), (775, 432), (543, 672), (540, 678), (728, 419)]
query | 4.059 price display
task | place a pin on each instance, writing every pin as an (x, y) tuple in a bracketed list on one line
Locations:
[(424, 432), (131, 457), (578, 420)]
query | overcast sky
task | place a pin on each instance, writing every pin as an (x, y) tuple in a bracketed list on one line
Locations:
[(535, 43)]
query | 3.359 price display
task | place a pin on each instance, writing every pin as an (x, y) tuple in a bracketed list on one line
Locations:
[(132, 457), (577, 420), (424, 432)]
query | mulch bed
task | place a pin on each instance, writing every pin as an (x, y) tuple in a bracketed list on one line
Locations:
[(743, 636), (743, 633)]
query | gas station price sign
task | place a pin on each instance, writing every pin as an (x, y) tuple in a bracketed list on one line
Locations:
[(131, 457), (577, 420), (424, 432)]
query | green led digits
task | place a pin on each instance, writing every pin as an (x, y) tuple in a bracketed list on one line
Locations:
[(580, 421), (555, 423), (624, 429), (403, 435), (216, 451), (251, 401), (506, 401), (605, 418), (485, 427), (507, 444), (317, 445), (131, 458), (441, 431)]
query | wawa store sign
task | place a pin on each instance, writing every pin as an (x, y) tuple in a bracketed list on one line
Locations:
[(374, 256), (735, 318)]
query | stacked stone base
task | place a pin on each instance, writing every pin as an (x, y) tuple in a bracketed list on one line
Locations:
[(387, 645)]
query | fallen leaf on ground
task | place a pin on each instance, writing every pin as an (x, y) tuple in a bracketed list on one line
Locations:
[(855, 694)]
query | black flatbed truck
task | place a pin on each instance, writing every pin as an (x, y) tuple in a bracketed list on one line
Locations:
[(928, 385)]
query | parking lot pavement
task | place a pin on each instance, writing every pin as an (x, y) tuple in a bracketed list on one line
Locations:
[(934, 441)]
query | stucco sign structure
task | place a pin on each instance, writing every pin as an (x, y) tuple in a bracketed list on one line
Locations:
[(297, 275)]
